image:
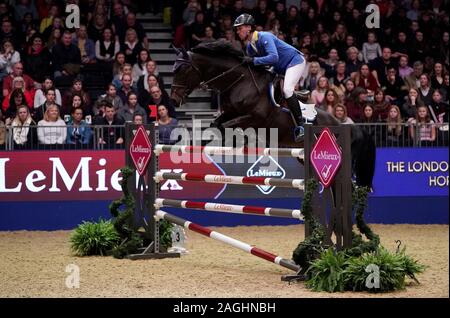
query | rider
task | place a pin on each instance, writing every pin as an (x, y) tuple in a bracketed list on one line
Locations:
[(264, 48)]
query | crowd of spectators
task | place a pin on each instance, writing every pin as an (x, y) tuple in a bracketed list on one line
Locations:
[(358, 74), (60, 83), (394, 74)]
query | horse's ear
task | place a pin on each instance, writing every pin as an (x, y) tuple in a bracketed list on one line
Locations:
[(185, 53), (177, 50)]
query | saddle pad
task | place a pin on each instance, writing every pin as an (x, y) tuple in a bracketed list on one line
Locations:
[(309, 111)]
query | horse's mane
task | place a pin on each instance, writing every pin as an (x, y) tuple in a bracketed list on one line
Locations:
[(219, 47)]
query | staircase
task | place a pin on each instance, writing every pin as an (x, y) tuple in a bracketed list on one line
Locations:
[(198, 104)]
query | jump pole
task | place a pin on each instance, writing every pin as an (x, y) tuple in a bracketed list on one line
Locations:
[(228, 208), (212, 178), (243, 151), (227, 240)]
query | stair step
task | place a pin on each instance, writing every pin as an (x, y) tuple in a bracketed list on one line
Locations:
[(200, 93), (195, 107), (164, 57), (159, 36), (160, 45), (148, 17), (157, 26), (165, 69), (161, 51)]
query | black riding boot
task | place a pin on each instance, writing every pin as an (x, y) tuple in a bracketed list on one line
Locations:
[(294, 107)]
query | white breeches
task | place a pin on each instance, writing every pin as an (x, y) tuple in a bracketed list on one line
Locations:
[(291, 78)]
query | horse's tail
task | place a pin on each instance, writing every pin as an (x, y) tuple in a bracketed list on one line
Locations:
[(364, 156)]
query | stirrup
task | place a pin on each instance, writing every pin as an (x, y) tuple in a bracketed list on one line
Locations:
[(299, 133)]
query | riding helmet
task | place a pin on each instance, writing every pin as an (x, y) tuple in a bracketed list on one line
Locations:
[(244, 19)]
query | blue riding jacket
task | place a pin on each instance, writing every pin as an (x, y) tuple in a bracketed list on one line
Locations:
[(267, 49)]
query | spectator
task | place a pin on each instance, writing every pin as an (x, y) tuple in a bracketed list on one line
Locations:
[(365, 79), (119, 61), (150, 69), (78, 131), (393, 132), (138, 119), (404, 69), (158, 98), (425, 91), (17, 71), (315, 73), (111, 97), (39, 96), (340, 112), (52, 129), (413, 80), (106, 49), (353, 64), (48, 20), (368, 114), (401, 47), (76, 88), (54, 38), (57, 24), (437, 75), (355, 103), (413, 101), (133, 24), (19, 83), (132, 107), (166, 124), (8, 57), (330, 63), (131, 46), (66, 57), (426, 130), (23, 129), (37, 59), (381, 105), (381, 64), (23, 7), (16, 100), (439, 110), (2, 134), (349, 87), (7, 33), (394, 88), (97, 27), (112, 132), (331, 99), (50, 100), (125, 87), (139, 68), (371, 49), (318, 95), (85, 45), (77, 102), (197, 29)]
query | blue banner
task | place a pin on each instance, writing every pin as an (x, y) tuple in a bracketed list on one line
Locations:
[(411, 172)]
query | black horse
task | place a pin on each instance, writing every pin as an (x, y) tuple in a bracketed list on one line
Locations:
[(247, 103)]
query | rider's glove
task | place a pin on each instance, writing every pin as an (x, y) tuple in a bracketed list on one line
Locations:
[(247, 60)]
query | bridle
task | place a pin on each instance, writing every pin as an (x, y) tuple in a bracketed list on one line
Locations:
[(205, 84)]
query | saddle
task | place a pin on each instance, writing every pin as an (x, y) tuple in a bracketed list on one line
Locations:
[(309, 112)]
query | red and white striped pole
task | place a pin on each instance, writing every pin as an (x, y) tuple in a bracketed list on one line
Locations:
[(212, 178), (228, 240), (228, 208), (211, 150)]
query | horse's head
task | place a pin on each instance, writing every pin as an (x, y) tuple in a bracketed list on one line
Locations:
[(187, 76)]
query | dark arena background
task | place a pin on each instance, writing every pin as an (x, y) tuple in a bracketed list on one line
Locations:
[(75, 73)]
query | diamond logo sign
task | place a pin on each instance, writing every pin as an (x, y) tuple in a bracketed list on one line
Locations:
[(266, 167), (326, 157), (140, 150)]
